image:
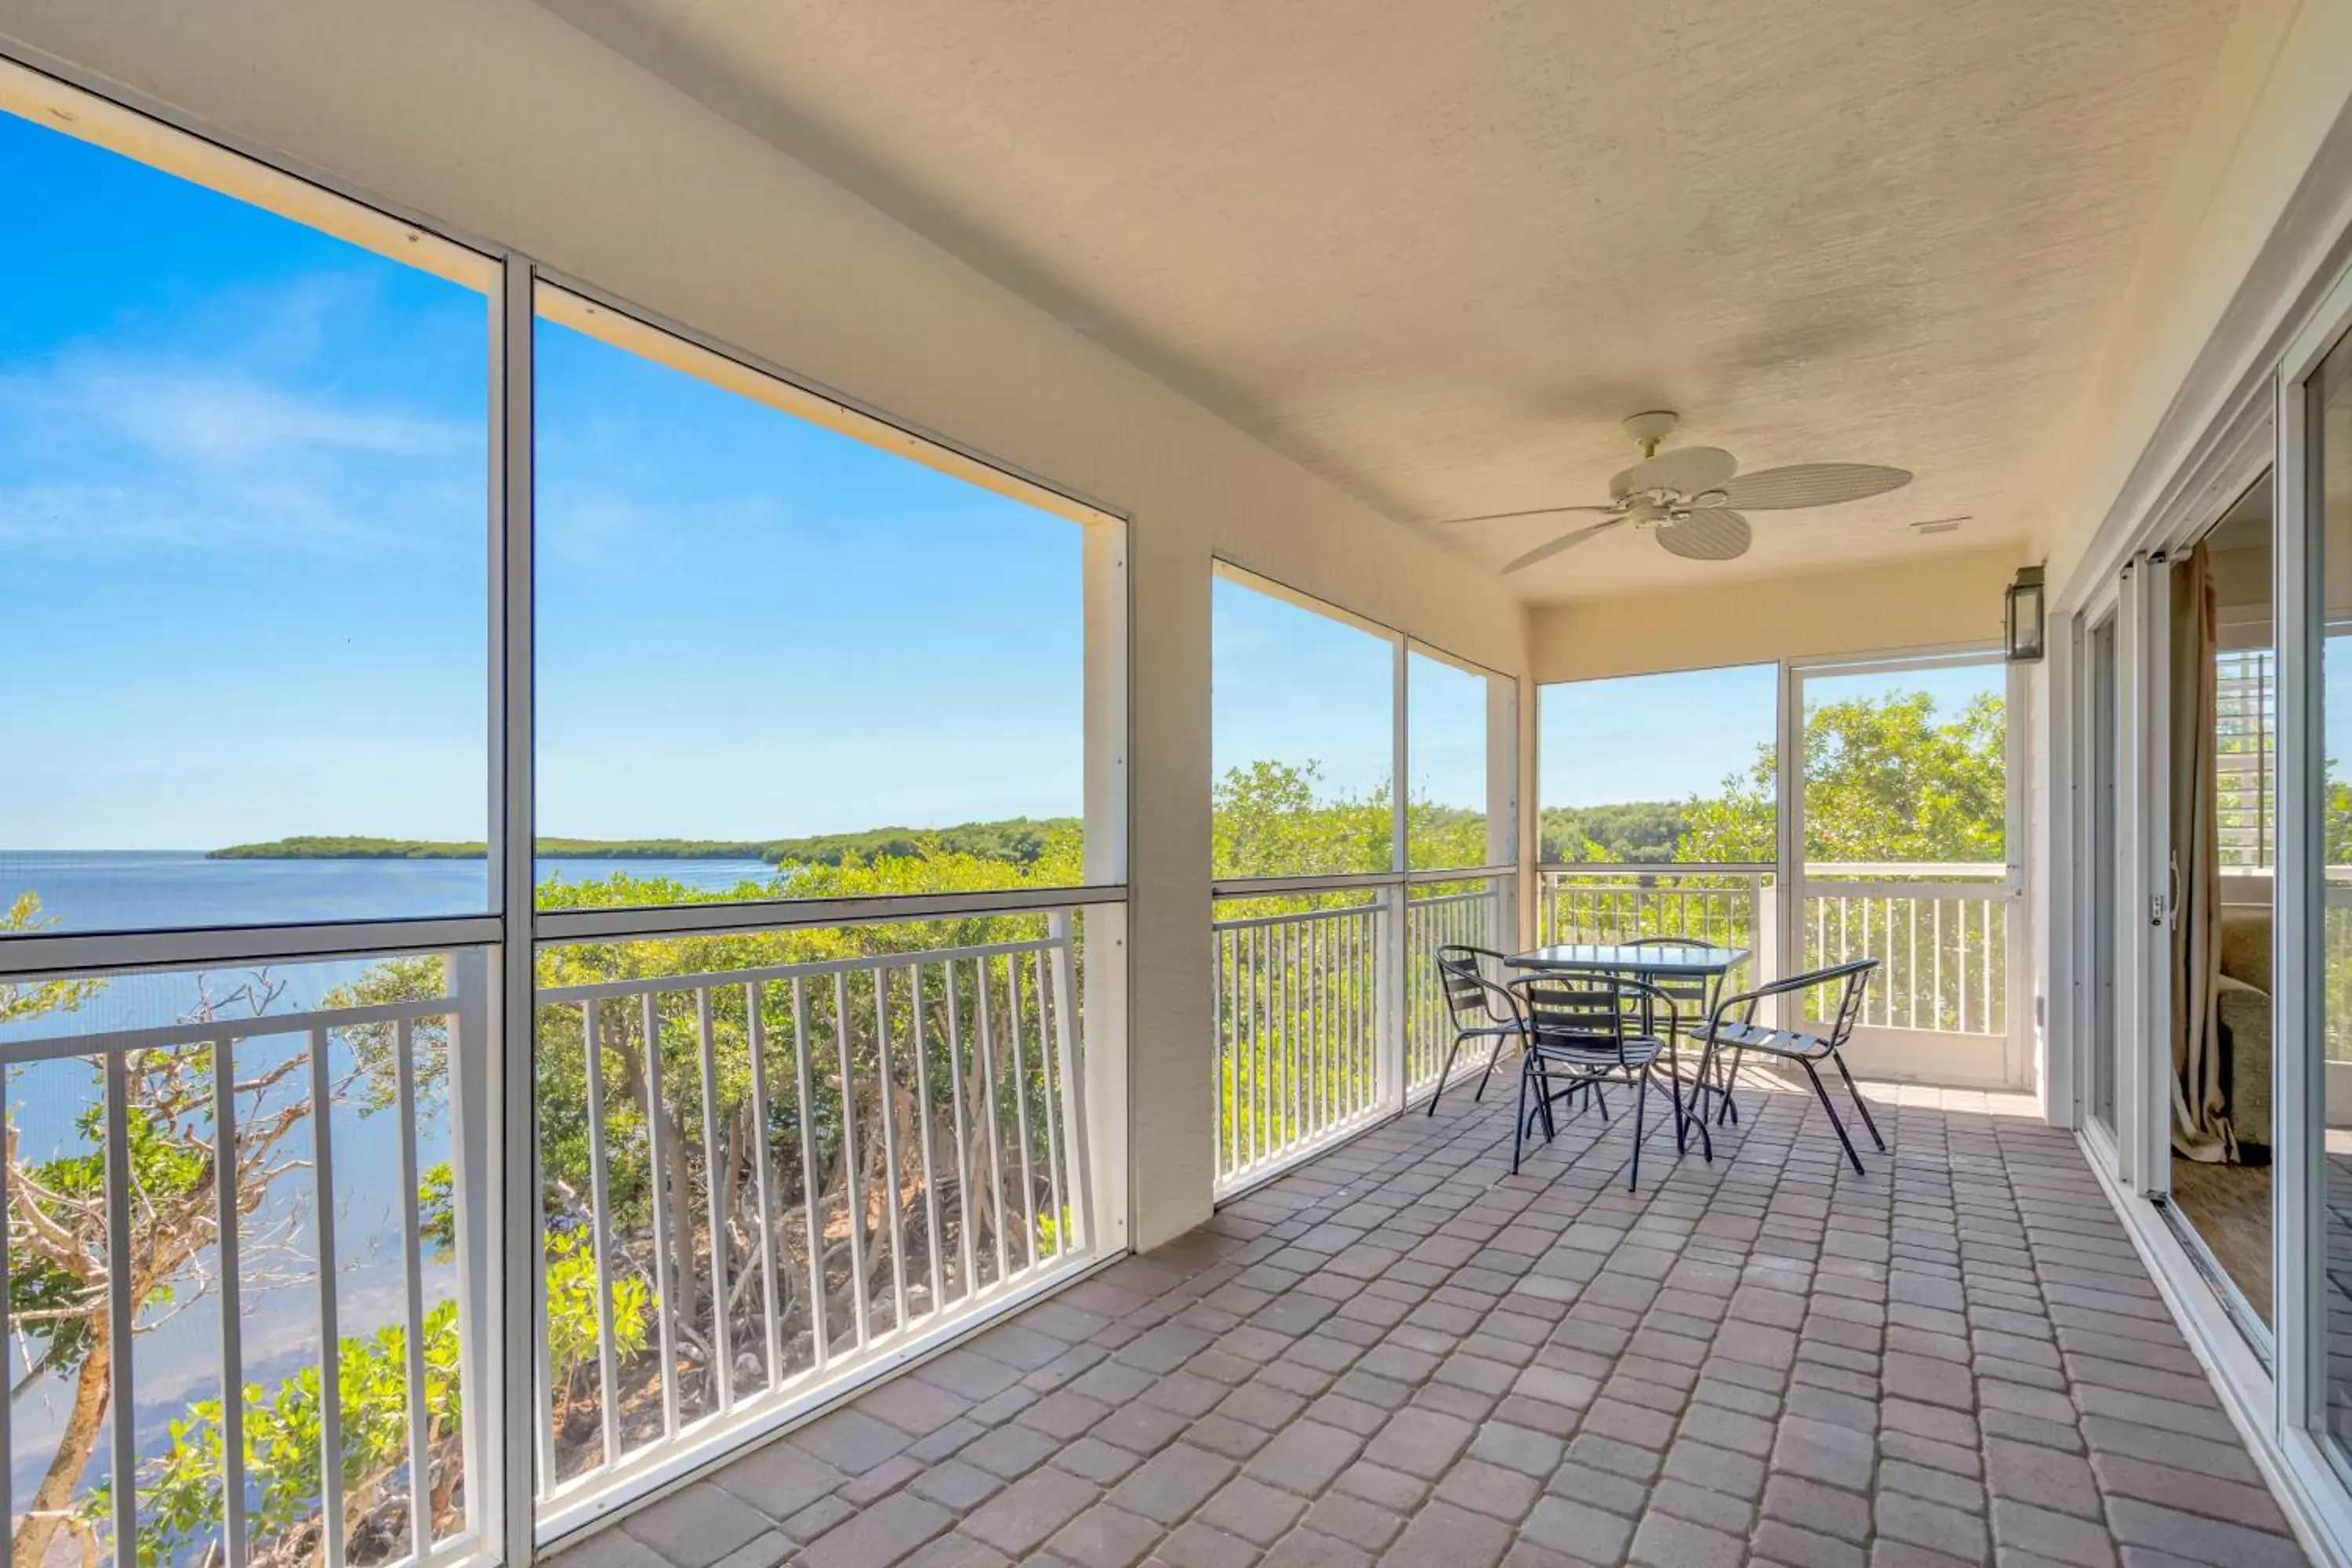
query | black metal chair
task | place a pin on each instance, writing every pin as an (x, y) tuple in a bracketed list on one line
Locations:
[(1733, 1026), (1590, 1028), (1695, 995), (1479, 1007)]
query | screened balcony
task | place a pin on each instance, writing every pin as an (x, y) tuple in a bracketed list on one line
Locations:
[(1399, 1352)]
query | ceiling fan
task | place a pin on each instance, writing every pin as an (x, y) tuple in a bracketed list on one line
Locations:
[(1693, 498)]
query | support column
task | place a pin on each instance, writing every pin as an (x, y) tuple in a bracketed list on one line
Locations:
[(1172, 1162)]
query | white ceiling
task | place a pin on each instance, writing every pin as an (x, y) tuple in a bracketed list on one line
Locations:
[(1436, 250)]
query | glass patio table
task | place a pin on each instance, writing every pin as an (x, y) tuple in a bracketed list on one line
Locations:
[(1649, 961)]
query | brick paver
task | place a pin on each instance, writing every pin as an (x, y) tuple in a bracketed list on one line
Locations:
[(1403, 1353)]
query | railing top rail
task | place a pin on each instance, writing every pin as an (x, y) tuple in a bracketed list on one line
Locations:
[(1331, 882), (1911, 892), (1295, 917), (261, 1025), (1658, 868), (1920, 870), (1434, 900), (1342, 882), (708, 979), (728, 917), (1915, 868)]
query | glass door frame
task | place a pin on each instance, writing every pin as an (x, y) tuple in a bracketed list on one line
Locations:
[(2264, 427), (2299, 1000), (1793, 878), (2102, 817)]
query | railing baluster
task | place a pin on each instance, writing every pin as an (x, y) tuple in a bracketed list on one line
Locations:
[(812, 1194), (121, 1308), (923, 1125), (1961, 909), (1262, 1045), (1293, 990), (722, 1329), (1936, 939), (657, 1151), (995, 1126), (852, 1180), (1327, 1112), (756, 1042), (602, 1237), (1069, 1073), (1217, 1014), (8, 1341), (1048, 1022), (1021, 1110), (227, 1220), (893, 1198), (1984, 1000), (962, 1137), (411, 1250), (331, 1347)]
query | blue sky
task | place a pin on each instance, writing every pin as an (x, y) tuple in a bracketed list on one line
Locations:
[(1650, 737), (243, 563), (1672, 736), (1292, 686), (242, 570)]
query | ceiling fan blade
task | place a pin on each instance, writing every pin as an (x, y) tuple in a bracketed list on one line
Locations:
[(1811, 484), (1551, 548), (1532, 511), (1710, 533), (1689, 470)]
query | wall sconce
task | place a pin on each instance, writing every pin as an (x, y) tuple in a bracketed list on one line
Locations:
[(2024, 618)]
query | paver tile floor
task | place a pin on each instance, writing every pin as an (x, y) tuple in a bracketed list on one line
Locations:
[(1401, 1353)]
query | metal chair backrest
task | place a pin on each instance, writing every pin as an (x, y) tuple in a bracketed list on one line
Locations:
[(1591, 1012), (1856, 974), (1851, 978), (1693, 993), (1471, 996)]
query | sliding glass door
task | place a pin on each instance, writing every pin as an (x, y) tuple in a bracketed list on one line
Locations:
[(2319, 919), (2103, 672)]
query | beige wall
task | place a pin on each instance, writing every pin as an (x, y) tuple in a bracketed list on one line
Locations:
[(495, 117), (2279, 92), (1874, 609)]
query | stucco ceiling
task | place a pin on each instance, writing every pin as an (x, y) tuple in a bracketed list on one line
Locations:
[(1435, 250)]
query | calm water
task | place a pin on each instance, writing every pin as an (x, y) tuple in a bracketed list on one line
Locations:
[(150, 889), (175, 1355)]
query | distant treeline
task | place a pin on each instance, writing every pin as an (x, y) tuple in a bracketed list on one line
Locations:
[(1633, 832), (1017, 840)]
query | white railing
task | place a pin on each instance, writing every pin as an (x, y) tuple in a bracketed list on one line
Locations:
[(1728, 905), (1434, 921), (1328, 1014), (1300, 999), (793, 1174), (149, 1169), (1939, 930), (1940, 934)]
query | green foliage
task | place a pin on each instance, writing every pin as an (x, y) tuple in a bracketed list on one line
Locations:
[(1015, 841), (1883, 780), (21, 999), (44, 1298), (318, 847), (180, 1488), (1272, 819), (572, 1308), (1632, 833)]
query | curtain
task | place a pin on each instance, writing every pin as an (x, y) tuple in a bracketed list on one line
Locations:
[(2200, 1101)]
